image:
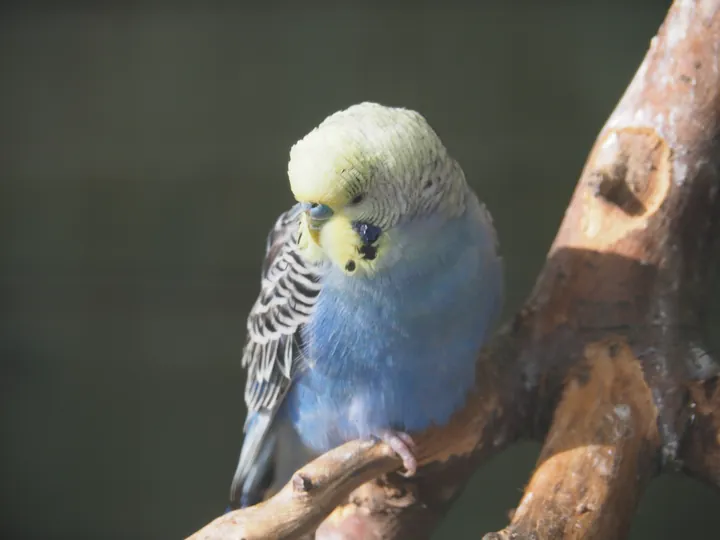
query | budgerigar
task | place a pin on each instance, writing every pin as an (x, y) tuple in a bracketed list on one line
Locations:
[(378, 290)]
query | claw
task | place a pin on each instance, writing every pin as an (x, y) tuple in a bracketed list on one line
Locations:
[(403, 445)]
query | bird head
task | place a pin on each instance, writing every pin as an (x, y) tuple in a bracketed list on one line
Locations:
[(363, 174)]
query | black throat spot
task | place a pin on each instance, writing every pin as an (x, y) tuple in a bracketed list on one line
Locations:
[(368, 252)]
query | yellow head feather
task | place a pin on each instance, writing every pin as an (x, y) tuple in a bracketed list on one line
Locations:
[(390, 154)]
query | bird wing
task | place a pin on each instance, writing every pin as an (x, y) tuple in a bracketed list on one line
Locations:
[(273, 350)]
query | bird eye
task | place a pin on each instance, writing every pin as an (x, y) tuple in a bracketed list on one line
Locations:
[(358, 198)]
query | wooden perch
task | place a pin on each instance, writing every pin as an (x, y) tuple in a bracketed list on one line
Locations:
[(605, 362)]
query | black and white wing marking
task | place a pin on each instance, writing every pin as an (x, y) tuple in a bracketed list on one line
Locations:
[(273, 350), (288, 291)]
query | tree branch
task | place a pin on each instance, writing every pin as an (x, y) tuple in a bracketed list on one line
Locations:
[(700, 451), (603, 361), (485, 425), (600, 450), (310, 495)]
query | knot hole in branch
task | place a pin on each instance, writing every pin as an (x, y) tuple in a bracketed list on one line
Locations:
[(631, 170), (302, 482)]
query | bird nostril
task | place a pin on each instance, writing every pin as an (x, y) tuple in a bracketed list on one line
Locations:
[(320, 212)]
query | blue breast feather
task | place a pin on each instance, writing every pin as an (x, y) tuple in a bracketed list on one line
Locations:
[(398, 350)]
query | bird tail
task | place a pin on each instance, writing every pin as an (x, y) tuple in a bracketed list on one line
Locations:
[(255, 468)]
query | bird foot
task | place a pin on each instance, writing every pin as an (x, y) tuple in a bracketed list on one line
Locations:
[(403, 445)]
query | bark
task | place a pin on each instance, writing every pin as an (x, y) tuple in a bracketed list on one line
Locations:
[(605, 362)]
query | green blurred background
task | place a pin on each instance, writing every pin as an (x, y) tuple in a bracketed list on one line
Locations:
[(144, 158)]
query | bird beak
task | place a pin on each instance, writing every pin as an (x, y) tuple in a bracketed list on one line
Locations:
[(318, 215)]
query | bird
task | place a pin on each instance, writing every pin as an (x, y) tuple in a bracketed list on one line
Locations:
[(378, 288)]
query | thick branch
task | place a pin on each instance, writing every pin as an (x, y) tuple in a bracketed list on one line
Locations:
[(700, 452), (583, 486), (632, 257), (602, 359)]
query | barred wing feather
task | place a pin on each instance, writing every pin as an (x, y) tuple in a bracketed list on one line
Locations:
[(273, 351)]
